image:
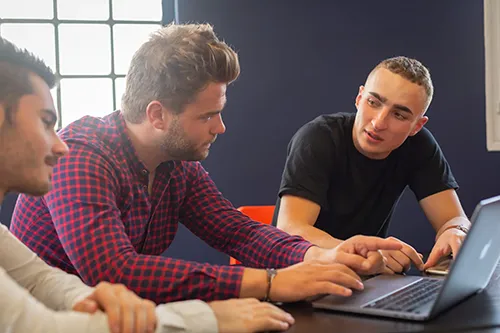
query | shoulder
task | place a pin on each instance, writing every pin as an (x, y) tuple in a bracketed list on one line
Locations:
[(423, 143), (97, 146), (325, 128), (97, 133), (424, 136), (329, 123), (422, 149), (188, 170)]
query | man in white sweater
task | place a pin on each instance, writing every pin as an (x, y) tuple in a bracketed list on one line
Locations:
[(35, 297)]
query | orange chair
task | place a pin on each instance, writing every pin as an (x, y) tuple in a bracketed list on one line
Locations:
[(262, 214)]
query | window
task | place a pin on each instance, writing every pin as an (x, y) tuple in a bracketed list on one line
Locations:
[(89, 45), (492, 72)]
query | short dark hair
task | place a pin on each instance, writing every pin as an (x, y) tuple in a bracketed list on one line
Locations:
[(15, 66), (412, 70), (173, 66)]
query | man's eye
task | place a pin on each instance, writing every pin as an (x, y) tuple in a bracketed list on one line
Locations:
[(399, 116), (48, 123)]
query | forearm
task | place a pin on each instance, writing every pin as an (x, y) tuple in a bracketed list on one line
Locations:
[(444, 211), (162, 279), (214, 219), (452, 223), (314, 235), (253, 243), (189, 316), (105, 253), (263, 246), (21, 312), (155, 277), (55, 288), (253, 283)]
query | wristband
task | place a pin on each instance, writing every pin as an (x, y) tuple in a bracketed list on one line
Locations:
[(271, 274)]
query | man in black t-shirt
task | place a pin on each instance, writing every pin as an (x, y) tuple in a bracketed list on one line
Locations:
[(345, 172)]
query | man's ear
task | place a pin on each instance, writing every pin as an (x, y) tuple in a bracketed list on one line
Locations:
[(418, 126), (358, 97), (157, 115)]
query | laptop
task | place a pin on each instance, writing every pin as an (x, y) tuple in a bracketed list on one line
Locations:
[(421, 298)]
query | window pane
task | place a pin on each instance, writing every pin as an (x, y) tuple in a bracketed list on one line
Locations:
[(83, 10), (119, 90), (53, 92), (37, 38), (127, 39), (144, 10), (80, 97), (85, 49), (32, 9)]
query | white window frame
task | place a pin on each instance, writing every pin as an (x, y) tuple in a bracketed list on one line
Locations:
[(492, 72), (56, 22)]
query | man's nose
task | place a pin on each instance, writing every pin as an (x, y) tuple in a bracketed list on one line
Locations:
[(379, 122), (219, 128), (60, 148)]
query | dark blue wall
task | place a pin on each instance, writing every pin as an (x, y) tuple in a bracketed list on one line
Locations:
[(304, 58), (301, 59), (7, 207)]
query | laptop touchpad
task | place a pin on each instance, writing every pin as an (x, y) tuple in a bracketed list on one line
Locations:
[(376, 287)]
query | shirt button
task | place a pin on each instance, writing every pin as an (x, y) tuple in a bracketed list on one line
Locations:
[(144, 172)]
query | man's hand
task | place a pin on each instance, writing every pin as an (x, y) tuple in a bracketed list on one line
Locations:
[(126, 312), (249, 315), (360, 253), (310, 279), (399, 261), (323, 271), (450, 241)]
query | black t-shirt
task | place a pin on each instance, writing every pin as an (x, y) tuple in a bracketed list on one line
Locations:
[(357, 195)]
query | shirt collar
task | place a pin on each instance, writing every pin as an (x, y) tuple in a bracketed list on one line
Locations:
[(130, 152)]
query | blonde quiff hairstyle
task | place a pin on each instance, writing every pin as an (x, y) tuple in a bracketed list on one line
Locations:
[(412, 70), (173, 66)]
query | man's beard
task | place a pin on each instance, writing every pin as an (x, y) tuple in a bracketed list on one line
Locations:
[(181, 151), (177, 147)]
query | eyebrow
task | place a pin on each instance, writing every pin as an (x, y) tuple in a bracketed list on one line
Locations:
[(214, 113), (210, 114), (396, 106)]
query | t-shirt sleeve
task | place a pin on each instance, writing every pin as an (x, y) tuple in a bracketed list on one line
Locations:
[(432, 173), (309, 164)]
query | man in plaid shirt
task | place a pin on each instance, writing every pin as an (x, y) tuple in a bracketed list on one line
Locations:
[(132, 176)]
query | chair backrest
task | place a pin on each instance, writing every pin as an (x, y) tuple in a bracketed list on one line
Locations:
[(262, 214)]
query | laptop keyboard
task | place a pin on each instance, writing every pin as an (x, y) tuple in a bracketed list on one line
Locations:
[(409, 298)]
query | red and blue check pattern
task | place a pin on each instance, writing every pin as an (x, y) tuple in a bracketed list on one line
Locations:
[(100, 223)]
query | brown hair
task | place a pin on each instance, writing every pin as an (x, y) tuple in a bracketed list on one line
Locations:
[(15, 67), (412, 70), (174, 65)]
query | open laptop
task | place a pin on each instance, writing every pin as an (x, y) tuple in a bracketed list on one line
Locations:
[(420, 297)]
